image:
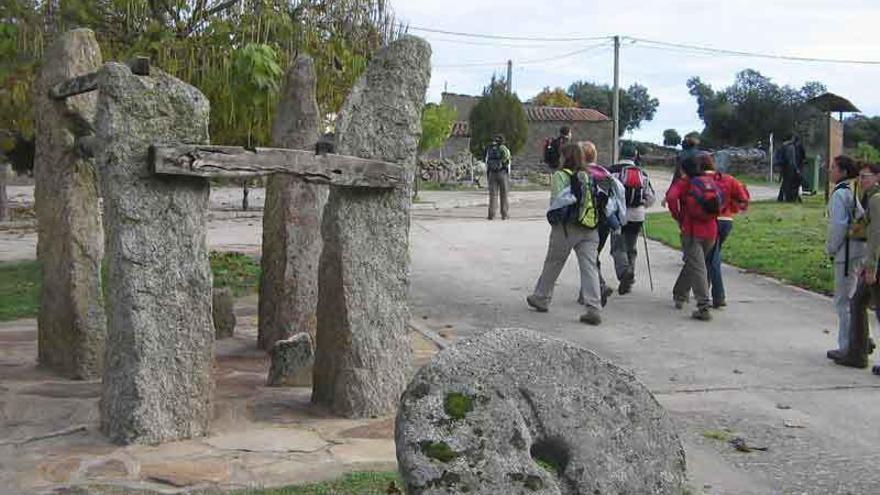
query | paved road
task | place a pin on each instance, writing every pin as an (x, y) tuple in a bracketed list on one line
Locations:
[(758, 367)]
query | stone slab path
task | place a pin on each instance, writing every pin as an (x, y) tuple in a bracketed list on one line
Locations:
[(260, 436)]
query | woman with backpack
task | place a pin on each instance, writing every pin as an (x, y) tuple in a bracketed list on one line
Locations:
[(845, 252), (694, 203), (572, 217), (736, 199)]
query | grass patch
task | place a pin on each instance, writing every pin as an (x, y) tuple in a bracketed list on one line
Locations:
[(440, 451), (719, 435), (19, 290), (20, 282), (370, 483), (785, 241)]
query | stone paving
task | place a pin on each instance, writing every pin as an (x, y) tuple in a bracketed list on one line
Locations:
[(260, 436)]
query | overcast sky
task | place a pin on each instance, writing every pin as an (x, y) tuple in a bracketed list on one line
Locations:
[(844, 29)]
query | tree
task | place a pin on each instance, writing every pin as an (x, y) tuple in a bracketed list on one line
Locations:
[(556, 97), (197, 41), (751, 108), (859, 129), (437, 123), (868, 153), (671, 137), (497, 112), (636, 104)]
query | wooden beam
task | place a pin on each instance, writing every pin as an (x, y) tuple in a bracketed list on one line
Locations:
[(237, 162), (89, 82)]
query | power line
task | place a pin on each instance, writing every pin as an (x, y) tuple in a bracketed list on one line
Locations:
[(716, 51), (529, 62), (501, 37)]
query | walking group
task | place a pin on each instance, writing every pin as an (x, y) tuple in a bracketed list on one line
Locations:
[(590, 203), (853, 243)]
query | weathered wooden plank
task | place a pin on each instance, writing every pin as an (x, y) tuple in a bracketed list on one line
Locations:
[(238, 162)]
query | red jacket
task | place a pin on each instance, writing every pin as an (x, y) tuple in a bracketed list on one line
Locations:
[(680, 202), (736, 196)]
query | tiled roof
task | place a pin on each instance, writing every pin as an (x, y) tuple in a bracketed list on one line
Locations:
[(558, 114)]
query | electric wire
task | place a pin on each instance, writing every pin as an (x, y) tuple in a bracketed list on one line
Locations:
[(535, 61)]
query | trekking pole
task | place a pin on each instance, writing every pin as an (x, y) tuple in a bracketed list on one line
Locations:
[(647, 256)]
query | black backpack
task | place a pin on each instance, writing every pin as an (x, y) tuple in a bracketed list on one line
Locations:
[(551, 152), (494, 158)]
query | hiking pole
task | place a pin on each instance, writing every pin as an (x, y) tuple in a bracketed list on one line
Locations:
[(647, 256)]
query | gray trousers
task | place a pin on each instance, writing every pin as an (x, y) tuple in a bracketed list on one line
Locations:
[(585, 243), (693, 274), (844, 286), (499, 184), (623, 249)]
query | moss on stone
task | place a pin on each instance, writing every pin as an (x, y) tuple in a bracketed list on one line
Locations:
[(458, 405), (440, 451), (546, 466)]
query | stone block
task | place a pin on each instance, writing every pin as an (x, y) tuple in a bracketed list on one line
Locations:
[(70, 242), (223, 312), (158, 380), (363, 352), (516, 412), (292, 361)]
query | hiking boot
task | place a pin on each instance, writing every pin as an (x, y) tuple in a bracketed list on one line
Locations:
[(606, 293), (852, 361), (875, 370), (679, 304), (719, 304), (533, 302), (625, 287), (580, 299), (591, 317), (834, 354), (702, 314)]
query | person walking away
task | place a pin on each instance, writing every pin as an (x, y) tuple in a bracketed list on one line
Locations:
[(787, 156), (736, 199), (573, 220), (610, 203), (497, 160), (695, 203), (845, 253), (552, 147), (689, 148), (867, 227), (638, 195)]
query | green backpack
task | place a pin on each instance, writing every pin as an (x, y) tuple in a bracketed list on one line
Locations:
[(582, 188)]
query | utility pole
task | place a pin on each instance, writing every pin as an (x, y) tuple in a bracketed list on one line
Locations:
[(509, 77), (615, 103)]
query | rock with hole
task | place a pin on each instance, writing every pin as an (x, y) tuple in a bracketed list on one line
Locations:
[(513, 411)]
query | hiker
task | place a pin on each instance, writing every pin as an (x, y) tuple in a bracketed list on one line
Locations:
[(638, 195), (689, 148), (573, 219), (611, 206), (552, 147), (869, 288), (789, 158), (736, 199), (846, 253), (694, 203), (497, 159), (866, 293)]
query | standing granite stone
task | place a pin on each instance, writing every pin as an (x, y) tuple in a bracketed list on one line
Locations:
[(291, 359), (71, 322), (158, 374), (363, 350), (516, 412), (223, 312), (292, 221), (4, 199)]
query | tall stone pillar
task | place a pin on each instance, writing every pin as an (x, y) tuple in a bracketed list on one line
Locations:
[(158, 380), (71, 322), (363, 350), (292, 223)]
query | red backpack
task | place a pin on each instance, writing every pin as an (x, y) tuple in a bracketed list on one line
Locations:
[(633, 185), (708, 196)]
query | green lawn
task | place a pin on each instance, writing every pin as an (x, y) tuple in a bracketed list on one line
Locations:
[(351, 484), (783, 240), (20, 282)]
